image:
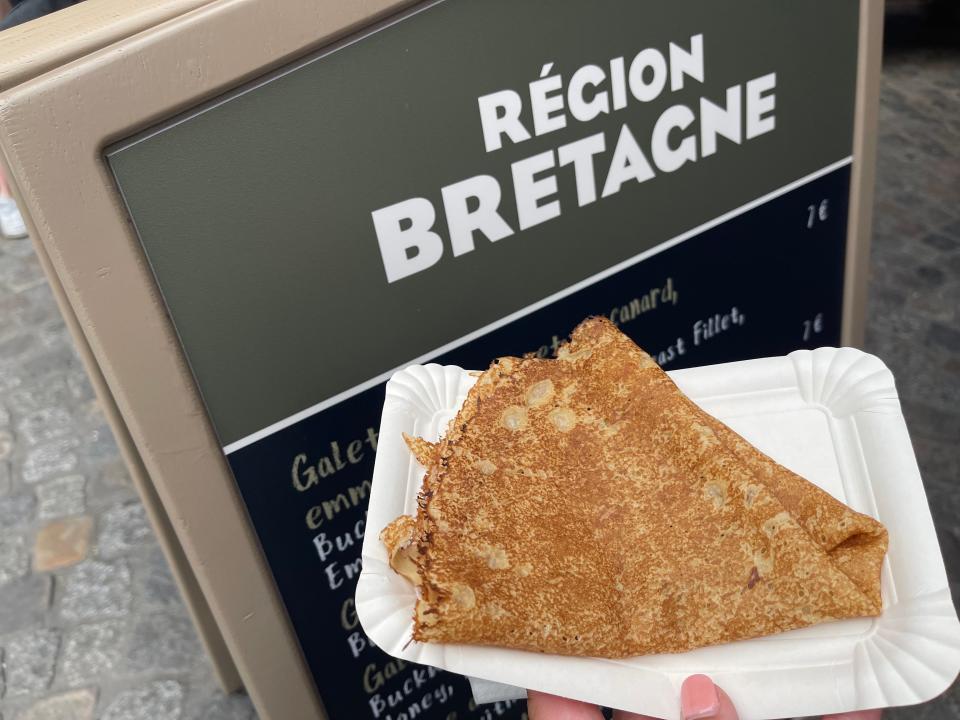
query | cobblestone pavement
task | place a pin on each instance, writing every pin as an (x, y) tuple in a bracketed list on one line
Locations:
[(914, 303), (90, 621)]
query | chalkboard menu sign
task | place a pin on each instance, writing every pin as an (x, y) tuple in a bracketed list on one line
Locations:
[(471, 180)]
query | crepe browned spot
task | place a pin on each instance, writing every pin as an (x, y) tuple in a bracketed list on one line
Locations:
[(585, 506)]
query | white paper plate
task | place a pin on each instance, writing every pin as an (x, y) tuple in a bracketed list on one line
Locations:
[(830, 415)]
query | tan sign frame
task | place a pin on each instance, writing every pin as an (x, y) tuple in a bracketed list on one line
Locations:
[(28, 51), (82, 79)]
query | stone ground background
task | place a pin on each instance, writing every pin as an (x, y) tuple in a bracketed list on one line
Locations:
[(914, 302), (90, 622)]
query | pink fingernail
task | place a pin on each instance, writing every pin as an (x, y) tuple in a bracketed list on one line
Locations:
[(698, 698)]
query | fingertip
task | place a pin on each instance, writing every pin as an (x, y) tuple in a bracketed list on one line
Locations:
[(727, 710), (698, 698), (701, 699)]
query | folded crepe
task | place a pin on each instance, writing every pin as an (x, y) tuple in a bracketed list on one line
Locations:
[(585, 506)]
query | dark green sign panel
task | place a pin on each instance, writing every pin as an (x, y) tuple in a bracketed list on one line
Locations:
[(472, 179)]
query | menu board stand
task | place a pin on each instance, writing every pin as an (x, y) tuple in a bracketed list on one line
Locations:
[(144, 211)]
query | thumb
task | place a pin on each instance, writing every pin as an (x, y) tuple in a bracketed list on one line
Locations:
[(700, 698)]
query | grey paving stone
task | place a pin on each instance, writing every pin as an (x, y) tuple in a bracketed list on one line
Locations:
[(92, 413), (50, 364), (205, 699), (106, 489), (931, 275), (4, 416), (99, 444), (52, 393), (17, 509), (954, 264), (14, 347), (931, 423), (29, 661), (111, 484), (20, 248), (53, 458), (6, 444), (24, 310), (53, 332), (223, 707), (155, 701), (23, 275), (14, 558), (123, 528), (920, 375), (163, 642), (9, 378), (942, 241), (96, 590), (937, 462), (74, 705), (44, 425), (25, 602), (61, 497), (91, 653), (154, 585), (946, 337), (80, 388), (6, 478)]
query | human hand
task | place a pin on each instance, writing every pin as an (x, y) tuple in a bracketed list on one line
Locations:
[(699, 699)]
